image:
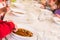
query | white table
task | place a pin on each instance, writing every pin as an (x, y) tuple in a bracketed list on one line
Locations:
[(47, 29)]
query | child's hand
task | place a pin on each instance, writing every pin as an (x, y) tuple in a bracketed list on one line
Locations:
[(52, 4), (57, 15), (15, 29)]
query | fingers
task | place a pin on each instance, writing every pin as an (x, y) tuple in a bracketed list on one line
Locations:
[(15, 29)]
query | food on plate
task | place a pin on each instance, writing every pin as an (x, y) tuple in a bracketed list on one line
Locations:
[(24, 32)]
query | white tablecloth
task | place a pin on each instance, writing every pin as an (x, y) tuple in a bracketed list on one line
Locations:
[(48, 30)]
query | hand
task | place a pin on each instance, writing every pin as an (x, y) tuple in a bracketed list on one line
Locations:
[(51, 2), (15, 29), (57, 15)]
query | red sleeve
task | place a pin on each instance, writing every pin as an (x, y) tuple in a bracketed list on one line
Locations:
[(11, 25), (1, 21), (6, 28)]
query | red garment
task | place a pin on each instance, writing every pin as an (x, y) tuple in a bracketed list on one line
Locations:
[(6, 28)]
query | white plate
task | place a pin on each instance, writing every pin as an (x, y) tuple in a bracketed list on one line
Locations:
[(57, 20), (17, 37)]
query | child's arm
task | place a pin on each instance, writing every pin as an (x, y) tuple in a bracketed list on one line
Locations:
[(6, 28), (57, 15)]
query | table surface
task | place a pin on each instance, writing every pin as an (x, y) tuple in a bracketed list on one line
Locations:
[(47, 30)]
